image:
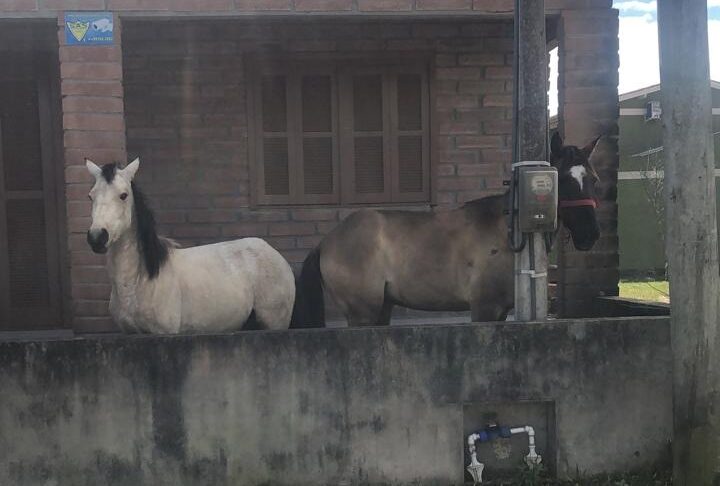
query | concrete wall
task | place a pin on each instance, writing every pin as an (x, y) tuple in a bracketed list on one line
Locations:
[(349, 406)]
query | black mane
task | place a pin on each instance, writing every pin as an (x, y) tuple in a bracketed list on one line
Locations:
[(481, 201), (109, 171), (486, 209), (153, 249)]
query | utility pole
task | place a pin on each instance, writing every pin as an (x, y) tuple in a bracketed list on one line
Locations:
[(530, 144), (691, 242)]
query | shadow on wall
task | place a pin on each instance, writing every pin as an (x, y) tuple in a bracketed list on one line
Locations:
[(623, 307)]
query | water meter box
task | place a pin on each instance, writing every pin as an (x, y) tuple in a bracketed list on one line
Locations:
[(537, 199), (501, 456)]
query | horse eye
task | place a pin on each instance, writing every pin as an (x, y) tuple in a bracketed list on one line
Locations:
[(89, 197), (123, 196)]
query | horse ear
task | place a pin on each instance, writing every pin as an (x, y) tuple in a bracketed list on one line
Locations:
[(93, 168), (588, 149), (556, 144), (132, 168), (593, 172)]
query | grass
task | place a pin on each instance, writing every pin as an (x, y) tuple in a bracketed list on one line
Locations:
[(655, 476), (651, 290)]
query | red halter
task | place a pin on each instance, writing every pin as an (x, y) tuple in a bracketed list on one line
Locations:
[(576, 203)]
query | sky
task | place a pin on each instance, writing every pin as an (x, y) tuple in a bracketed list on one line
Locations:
[(639, 62)]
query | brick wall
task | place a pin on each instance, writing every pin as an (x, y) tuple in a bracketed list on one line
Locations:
[(588, 80), (185, 114), (185, 98), (186, 117), (94, 127), (357, 7)]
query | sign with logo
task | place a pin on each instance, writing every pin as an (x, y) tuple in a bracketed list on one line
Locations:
[(89, 28)]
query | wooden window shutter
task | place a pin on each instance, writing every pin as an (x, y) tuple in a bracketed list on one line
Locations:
[(27, 254), (296, 136), (410, 134), (273, 139), (25, 212), (29, 281), (385, 134), (318, 151), (329, 129), (365, 142)]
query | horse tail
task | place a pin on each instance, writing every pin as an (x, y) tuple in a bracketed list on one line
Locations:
[(309, 309)]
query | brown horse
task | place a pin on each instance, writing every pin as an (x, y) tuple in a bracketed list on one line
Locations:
[(446, 261)]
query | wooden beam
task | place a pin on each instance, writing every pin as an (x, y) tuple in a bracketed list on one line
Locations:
[(691, 239), (530, 143)]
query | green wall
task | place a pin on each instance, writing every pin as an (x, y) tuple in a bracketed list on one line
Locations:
[(641, 246)]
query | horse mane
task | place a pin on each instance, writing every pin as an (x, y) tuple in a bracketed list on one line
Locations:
[(486, 208), (482, 200), (153, 249)]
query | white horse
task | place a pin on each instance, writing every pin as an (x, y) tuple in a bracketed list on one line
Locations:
[(159, 288)]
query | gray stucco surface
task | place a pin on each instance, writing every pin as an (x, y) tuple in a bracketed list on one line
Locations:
[(332, 406)]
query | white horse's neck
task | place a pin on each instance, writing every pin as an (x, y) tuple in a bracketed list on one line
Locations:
[(125, 265)]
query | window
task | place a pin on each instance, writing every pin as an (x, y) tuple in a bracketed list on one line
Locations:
[(29, 282), (337, 132)]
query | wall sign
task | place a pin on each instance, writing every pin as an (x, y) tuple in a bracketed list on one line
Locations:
[(89, 28)]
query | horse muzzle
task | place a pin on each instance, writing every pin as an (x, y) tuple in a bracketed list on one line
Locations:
[(584, 239), (584, 245), (98, 240)]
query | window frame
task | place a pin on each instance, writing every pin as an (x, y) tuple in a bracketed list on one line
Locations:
[(293, 133), (37, 77), (390, 133), (339, 66)]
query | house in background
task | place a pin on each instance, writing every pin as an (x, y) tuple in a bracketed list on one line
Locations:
[(640, 198), (273, 119)]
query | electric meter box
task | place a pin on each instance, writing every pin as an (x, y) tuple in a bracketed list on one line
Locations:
[(537, 199)]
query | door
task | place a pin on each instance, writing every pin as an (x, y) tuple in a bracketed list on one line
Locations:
[(29, 268)]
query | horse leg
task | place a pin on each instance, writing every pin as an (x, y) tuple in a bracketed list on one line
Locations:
[(363, 315), (362, 301), (270, 315), (274, 291), (490, 306), (385, 313), (484, 312), (372, 310), (491, 300)]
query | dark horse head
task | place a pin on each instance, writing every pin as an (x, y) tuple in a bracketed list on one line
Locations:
[(577, 199)]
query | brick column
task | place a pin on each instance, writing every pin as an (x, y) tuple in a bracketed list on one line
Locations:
[(588, 107), (93, 127), (473, 114)]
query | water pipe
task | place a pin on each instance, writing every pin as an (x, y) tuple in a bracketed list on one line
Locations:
[(475, 468), (492, 432), (533, 458)]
